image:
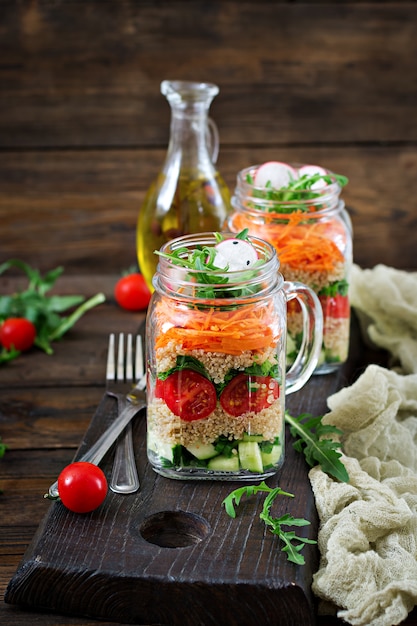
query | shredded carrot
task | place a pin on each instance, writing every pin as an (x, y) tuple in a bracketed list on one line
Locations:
[(213, 330), (305, 246)]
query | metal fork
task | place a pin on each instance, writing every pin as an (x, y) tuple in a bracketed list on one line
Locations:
[(120, 374), (136, 400)]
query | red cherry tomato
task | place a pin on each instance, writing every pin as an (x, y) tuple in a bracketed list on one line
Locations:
[(18, 333), (132, 292), (188, 394), (82, 487), (247, 393), (335, 306)]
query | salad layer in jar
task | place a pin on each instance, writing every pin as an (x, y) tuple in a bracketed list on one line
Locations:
[(217, 362), (298, 210)]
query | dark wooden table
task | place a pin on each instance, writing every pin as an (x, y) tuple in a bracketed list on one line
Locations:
[(46, 406)]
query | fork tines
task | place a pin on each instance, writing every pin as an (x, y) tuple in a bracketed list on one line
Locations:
[(128, 365)]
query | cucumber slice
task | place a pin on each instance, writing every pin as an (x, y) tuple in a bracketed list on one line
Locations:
[(224, 463), (162, 449), (202, 451), (250, 456), (248, 437), (270, 459), (291, 345)]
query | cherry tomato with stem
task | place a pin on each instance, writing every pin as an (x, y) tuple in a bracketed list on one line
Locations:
[(82, 487), (18, 333), (132, 293)]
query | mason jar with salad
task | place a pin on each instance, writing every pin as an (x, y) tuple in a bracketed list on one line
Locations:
[(298, 209), (216, 336)]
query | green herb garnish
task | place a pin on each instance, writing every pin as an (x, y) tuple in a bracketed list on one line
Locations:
[(201, 261), (338, 288), (313, 439), (185, 362), (3, 448), (293, 544), (298, 190), (45, 312)]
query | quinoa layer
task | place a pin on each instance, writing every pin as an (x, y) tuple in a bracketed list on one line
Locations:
[(217, 364), (336, 338), (315, 280), (170, 429)]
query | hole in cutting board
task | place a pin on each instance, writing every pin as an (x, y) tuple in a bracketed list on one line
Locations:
[(174, 529)]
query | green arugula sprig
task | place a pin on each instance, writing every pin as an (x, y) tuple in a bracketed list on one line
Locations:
[(297, 190), (313, 439), (44, 311), (3, 448), (293, 544), (202, 261)]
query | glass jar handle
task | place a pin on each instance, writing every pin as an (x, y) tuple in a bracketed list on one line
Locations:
[(308, 356), (212, 138)]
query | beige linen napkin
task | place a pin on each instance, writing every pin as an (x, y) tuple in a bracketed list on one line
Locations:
[(368, 526), (385, 300), (368, 530)]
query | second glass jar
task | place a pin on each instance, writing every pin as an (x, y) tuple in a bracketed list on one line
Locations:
[(312, 234)]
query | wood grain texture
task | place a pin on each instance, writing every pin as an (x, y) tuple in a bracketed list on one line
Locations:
[(80, 210), (105, 558), (88, 74)]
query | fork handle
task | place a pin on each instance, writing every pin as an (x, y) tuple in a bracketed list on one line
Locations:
[(105, 442), (124, 478)]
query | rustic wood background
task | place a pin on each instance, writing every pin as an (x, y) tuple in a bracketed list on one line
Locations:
[(84, 128)]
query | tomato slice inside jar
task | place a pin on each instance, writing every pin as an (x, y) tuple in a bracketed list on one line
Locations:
[(335, 306), (246, 393), (187, 394)]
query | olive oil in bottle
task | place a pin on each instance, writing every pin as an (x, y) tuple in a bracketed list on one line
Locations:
[(189, 195)]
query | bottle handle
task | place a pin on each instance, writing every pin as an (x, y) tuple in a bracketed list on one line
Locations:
[(308, 356), (212, 138)]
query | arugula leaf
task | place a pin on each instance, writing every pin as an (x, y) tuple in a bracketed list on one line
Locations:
[(225, 446), (202, 259), (42, 310), (298, 190), (275, 524), (185, 362), (312, 438), (256, 369), (3, 448), (338, 288)]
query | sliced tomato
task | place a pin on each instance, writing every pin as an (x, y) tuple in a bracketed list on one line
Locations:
[(335, 306), (247, 393), (293, 307), (188, 394)]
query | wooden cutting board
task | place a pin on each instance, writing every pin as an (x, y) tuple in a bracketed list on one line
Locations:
[(170, 554)]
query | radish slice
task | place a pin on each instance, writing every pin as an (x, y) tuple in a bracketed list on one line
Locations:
[(235, 254), (276, 173), (310, 170)]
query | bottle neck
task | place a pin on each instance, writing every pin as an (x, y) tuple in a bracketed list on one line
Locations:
[(188, 138), (189, 132)]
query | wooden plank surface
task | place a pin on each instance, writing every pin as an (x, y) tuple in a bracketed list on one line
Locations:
[(80, 209), (88, 74), (108, 549)]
